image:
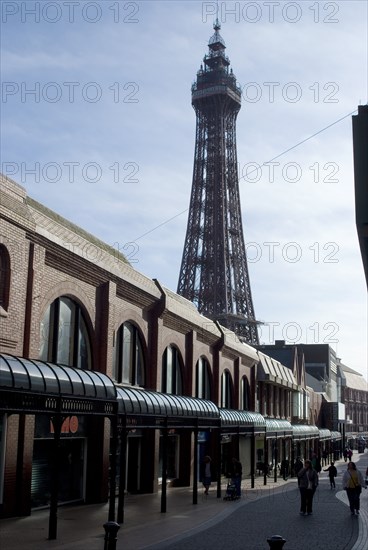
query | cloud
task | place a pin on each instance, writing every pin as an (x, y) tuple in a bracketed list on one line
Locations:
[(154, 61)]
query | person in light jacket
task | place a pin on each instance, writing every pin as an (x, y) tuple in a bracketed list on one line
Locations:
[(308, 483), (352, 482)]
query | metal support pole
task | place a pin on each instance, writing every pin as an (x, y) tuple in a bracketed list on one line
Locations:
[(57, 423), (292, 460), (123, 456), (276, 459), (164, 469), (252, 458), (195, 468), (265, 463), (218, 473), (113, 448), (111, 530)]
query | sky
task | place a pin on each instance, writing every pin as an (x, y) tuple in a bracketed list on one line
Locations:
[(97, 124)]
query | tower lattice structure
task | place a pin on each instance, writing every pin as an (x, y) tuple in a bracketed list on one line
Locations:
[(214, 272)]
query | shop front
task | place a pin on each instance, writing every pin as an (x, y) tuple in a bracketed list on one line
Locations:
[(278, 447), (175, 431), (305, 439), (242, 432), (72, 460), (50, 406)]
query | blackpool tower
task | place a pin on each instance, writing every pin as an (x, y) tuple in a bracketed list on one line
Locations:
[(214, 271)]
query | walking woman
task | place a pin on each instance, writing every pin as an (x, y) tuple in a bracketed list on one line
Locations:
[(308, 483), (206, 473), (352, 482)]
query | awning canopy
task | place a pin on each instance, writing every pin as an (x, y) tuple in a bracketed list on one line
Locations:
[(150, 409), (33, 386), (242, 421), (270, 370), (305, 431), (276, 427), (335, 436), (324, 434)]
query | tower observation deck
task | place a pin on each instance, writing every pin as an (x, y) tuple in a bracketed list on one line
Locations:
[(214, 271)]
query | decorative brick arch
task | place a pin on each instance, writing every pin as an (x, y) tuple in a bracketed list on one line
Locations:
[(74, 292), (5, 274), (136, 319), (227, 372), (174, 339), (77, 294)]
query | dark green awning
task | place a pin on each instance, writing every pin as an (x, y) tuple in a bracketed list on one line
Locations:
[(277, 427), (32, 386), (301, 431), (324, 434), (145, 408), (242, 421)]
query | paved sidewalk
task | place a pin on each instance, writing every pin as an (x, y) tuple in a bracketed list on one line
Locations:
[(212, 523)]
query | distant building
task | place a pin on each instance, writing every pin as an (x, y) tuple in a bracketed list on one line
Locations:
[(360, 140), (355, 398)]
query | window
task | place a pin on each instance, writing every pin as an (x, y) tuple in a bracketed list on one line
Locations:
[(129, 360), (4, 278), (226, 390), (171, 371), (244, 394), (64, 335), (203, 382)]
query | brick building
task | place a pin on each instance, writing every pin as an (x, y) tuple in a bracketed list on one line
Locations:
[(177, 385)]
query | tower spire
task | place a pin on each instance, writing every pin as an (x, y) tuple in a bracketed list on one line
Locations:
[(214, 272)]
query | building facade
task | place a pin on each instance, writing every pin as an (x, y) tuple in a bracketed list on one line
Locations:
[(183, 385)]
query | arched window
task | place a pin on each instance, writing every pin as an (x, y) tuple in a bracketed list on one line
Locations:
[(244, 394), (64, 337), (203, 380), (4, 277), (171, 371), (129, 360), (226, 390)]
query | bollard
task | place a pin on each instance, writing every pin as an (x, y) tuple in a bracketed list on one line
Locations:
[(276, 542), (111, 536)]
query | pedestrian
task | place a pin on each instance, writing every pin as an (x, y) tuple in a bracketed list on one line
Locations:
[(350, 454), (284, 469), (206, 473), (352, 482), (236, 475), (308, 483), (345, 454), (316, 463), (325, 457), (332, 473), (298, 466)]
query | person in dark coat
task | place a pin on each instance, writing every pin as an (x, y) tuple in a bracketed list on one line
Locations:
[(206, 473), (236, 475), (332, 473), (298, 466), (308, 483)]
